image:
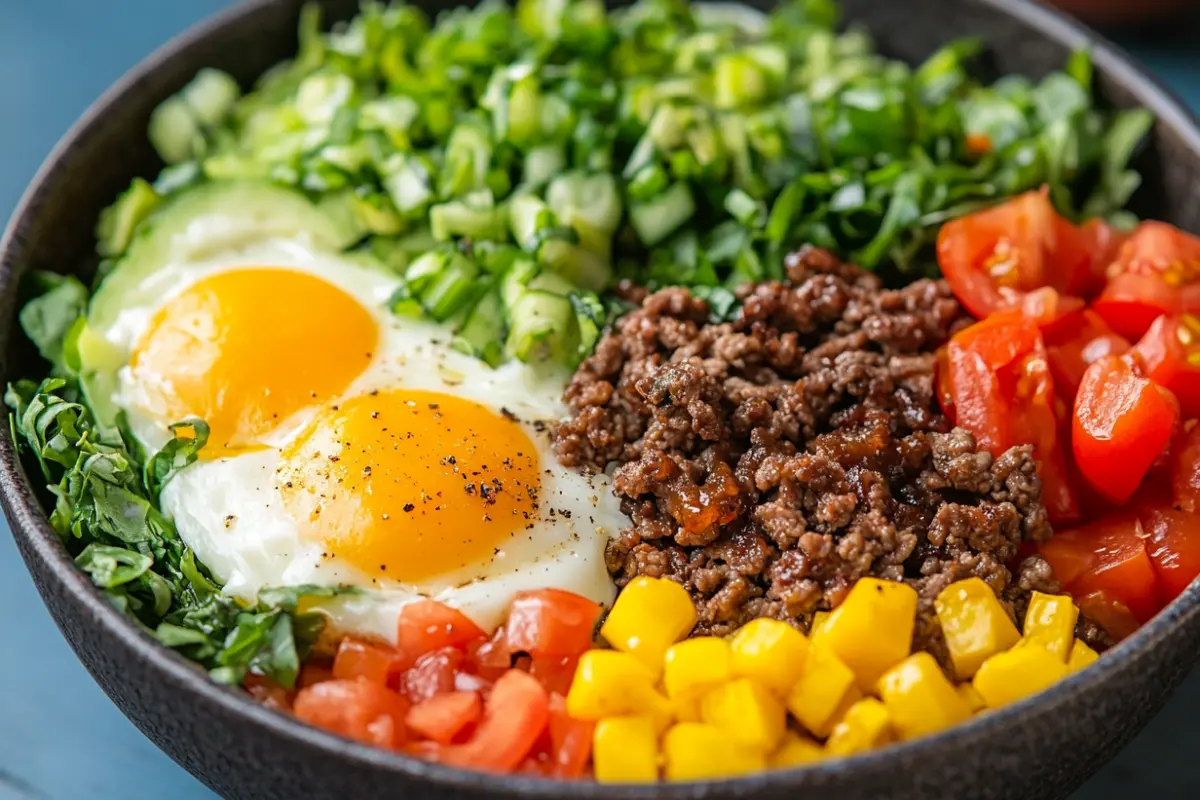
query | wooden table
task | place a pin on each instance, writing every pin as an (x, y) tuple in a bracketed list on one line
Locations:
[(60, 737)]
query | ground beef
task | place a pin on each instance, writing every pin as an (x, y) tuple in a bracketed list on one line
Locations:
[(770, 462)]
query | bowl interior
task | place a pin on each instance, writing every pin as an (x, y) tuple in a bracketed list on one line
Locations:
[(1039, 748)]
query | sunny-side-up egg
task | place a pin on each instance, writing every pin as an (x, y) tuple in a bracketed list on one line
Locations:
[(352, 447)]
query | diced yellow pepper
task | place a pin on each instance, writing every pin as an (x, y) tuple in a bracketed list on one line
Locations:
[(818, 626), (609, 683), (971, 697), (826, 688), (865, 726), (1050, 621), (695, 665), (1007, 677), (746, 712), (650, 615), (919, 698), (974, 623), (1081, 656), (872, 629), (694, 751), (796, 750), (625, 750), (771, 652)]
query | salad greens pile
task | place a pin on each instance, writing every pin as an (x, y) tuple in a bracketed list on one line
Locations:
[(510, 165), (105, 492)]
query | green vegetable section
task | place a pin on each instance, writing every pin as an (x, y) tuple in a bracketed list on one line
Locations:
[(663, 142)]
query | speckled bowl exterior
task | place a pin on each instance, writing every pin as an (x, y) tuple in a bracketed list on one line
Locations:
[(1040, 748)]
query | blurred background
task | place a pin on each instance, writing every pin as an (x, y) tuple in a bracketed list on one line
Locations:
[(60, 737)]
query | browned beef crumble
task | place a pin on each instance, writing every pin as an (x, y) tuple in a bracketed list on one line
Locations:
[(769, 462)]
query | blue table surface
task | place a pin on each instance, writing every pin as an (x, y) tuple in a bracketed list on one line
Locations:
[(60, 737)]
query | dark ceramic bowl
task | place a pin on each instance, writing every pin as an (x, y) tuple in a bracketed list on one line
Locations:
[(1042, 747)]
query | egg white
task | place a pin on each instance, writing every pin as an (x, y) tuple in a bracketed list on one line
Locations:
[(231, 514)]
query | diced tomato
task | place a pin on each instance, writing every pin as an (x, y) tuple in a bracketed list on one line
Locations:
[(1122, 424), (570, 740), (427, 625), (555, 673), (358, 709), (1156, 272), (444, 716), (515, 714), (993, 257), (491, 658), (551, 623), (1107, 555), (1071, 348), (1174, 548), (1003, 393), (1185, 471), (267, 692), (312, 673), (1103, 242), (1169, 355), (1110, 614), (1050, 311), (433, 674), (359, 659)]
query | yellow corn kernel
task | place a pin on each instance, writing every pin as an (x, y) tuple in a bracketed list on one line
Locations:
[(1007, 677), (693, 751), (625, 750), (609, 683), (686, 707), (818, 626), (1081, 656), (695, 665), (971, 697), (746, 712), (919, 698), (872, 629), (1050, 621), (796, 750), (865, 726), (650, 615), (975, 625), (826, 688), (771, 652)]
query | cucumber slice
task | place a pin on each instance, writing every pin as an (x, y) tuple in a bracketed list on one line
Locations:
[(541, 326), (655, 220)]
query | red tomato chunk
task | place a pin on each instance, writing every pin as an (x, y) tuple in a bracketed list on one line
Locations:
[(1156, 272), (550, 623), (376, 663), (1122, 424), (358, 709), (444, 716)]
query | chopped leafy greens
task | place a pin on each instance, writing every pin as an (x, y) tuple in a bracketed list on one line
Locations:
[(105, 510), (665, 142)]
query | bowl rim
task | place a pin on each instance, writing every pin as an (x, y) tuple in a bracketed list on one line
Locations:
[(29, 521)]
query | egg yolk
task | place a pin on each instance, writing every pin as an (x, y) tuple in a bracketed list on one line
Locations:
[(246, 349), (407, 485)]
